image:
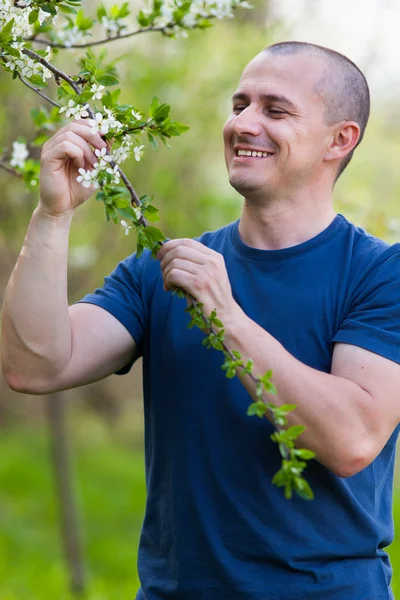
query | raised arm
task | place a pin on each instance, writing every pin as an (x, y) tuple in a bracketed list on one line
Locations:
[(46, 345)]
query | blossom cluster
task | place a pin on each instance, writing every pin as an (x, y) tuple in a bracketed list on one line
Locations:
[(71, 35), (199, 9), (108, 163), (19, 155), (10, 11)]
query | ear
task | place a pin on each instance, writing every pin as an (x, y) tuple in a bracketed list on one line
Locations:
[(344, 140)]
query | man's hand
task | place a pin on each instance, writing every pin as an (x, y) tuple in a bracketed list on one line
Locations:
[(201, 272), (70, 149)]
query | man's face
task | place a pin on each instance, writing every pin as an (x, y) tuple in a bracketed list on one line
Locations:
[(277, 114)]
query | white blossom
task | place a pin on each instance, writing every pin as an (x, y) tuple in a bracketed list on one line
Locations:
[(114, 171), (77, 110), (88, 178), (104, 158), (138, 152), (137, 115), (99, 124), (97, 91), (69, 36), (123, 152), (104, 124), (19, 155), (82, 111), (125, 226), (138, 212), (112, 26)]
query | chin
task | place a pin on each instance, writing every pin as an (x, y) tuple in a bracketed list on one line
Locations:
[(247, 187)]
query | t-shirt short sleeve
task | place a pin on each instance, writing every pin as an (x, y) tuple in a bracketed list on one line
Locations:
[(122, 296), (373, 320)]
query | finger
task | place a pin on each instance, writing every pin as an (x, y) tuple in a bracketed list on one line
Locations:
[(187, 242), (79, 128), (178, 278), (67, 150), (186, 253), (182, 265), (56, 152)]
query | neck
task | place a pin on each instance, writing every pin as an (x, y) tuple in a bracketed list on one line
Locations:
[(277, 225)]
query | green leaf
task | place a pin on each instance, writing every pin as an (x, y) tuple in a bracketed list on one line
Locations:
[(107, 80), (161, 113), (37, 81), (288, 489), (286, 408), (303, 488), (123, 11), (155, 234), (67, 9), (83, 23), (252, 409), (177, 128), (153, 106), (143, 19), (49, 8), (33, 16), (304, 453), (294, 431), (152, 140), (101, 12), (6, 32)]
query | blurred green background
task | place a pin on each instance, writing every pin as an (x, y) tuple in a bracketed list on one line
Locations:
[(103, 421)]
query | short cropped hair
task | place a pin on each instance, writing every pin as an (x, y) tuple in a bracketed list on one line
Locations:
[(343, 87)]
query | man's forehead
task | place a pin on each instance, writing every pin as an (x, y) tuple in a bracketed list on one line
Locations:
[(296, 73)]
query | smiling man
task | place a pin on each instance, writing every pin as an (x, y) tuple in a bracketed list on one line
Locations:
[(300, 290)]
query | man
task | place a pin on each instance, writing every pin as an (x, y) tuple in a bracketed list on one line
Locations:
[(300, 290)]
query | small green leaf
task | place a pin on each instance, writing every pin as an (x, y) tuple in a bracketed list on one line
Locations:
[(33, 16), (252, 409), (6, 32), (305, 453), (107, 80), (294, 431), (101, 12), (286, 408)]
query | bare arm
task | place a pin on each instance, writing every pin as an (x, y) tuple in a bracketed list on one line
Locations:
[(349, 413), (46, 345)]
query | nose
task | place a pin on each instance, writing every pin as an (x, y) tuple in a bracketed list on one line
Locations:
[(247, 122)]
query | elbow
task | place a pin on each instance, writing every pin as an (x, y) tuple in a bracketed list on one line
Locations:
[(18, 382), (353, 462)]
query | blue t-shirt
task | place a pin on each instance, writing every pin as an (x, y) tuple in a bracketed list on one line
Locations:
[(215, 527)]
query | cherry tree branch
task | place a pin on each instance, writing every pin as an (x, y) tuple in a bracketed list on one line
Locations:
[(37, 90), (97, 42), (9, 169), (56, 72)]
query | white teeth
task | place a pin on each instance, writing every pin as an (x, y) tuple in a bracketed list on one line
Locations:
[(253, 153)]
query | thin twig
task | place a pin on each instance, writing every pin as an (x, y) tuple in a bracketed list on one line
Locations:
[(97, 42), (37, 90), (9, 169), (56, 72)]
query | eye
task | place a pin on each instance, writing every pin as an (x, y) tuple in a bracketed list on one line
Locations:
[(276, 112), (237, 109)]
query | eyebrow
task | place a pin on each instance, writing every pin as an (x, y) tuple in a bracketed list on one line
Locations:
[(266, 98)]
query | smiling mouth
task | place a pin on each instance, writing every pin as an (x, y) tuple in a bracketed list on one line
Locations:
[(253, 153)]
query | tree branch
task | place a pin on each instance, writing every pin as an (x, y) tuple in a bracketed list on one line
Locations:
[(31, 87), (56, 72), (97, 42), (9, 169)]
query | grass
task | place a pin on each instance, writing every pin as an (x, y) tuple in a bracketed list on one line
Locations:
[(109, 483)]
